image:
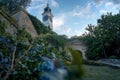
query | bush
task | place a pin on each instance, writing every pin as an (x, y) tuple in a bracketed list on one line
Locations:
[(75, 70), (22, 56), (113, 57), (39, 27)]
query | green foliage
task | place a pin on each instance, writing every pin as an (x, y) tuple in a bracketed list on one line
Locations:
[(11, 49), (25, 54), (25, 64), (21, 57), (40, 28), (113, 57), (75, 71), (54, 39), (103, 39), (2, 27), (14, 5)]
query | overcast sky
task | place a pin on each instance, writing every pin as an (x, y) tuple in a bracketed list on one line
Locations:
[(72, 16)]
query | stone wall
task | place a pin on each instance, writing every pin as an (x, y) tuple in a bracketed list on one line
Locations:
[(79, 45), (18, 20), (10, 27), (24, 22)]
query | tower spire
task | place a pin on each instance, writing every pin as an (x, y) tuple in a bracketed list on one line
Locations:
[(47, 5)]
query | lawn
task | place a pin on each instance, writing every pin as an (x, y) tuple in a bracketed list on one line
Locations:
[(100, 73)]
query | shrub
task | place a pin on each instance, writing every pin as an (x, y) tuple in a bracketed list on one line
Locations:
[(113, 57)]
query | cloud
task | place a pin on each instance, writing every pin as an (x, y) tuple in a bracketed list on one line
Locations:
[(38, 0), (112, 3), (40, 4), (115, 4), (64, 30), (85, 12), (54, 3), (80, 32), (98, 1), (60, 26), (115, 1), (78, 11), (76, 23), (102, 11), (58, 21), (37, 7), (68, 30), (109, 4)]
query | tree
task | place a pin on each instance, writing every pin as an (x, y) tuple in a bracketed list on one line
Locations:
[(14, 5), (103, 39), (40, 28)]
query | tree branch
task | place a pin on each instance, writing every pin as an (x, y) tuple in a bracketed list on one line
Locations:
[(24, 53), (12, 65)]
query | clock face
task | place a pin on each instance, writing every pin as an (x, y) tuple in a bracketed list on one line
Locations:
[(45, 18)]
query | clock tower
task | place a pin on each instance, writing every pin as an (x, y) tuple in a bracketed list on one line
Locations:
[(47, 17)]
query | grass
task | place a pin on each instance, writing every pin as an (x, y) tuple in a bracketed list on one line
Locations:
[(100, 73)]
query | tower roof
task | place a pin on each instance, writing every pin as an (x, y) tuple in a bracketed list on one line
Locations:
[(47, 9)]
